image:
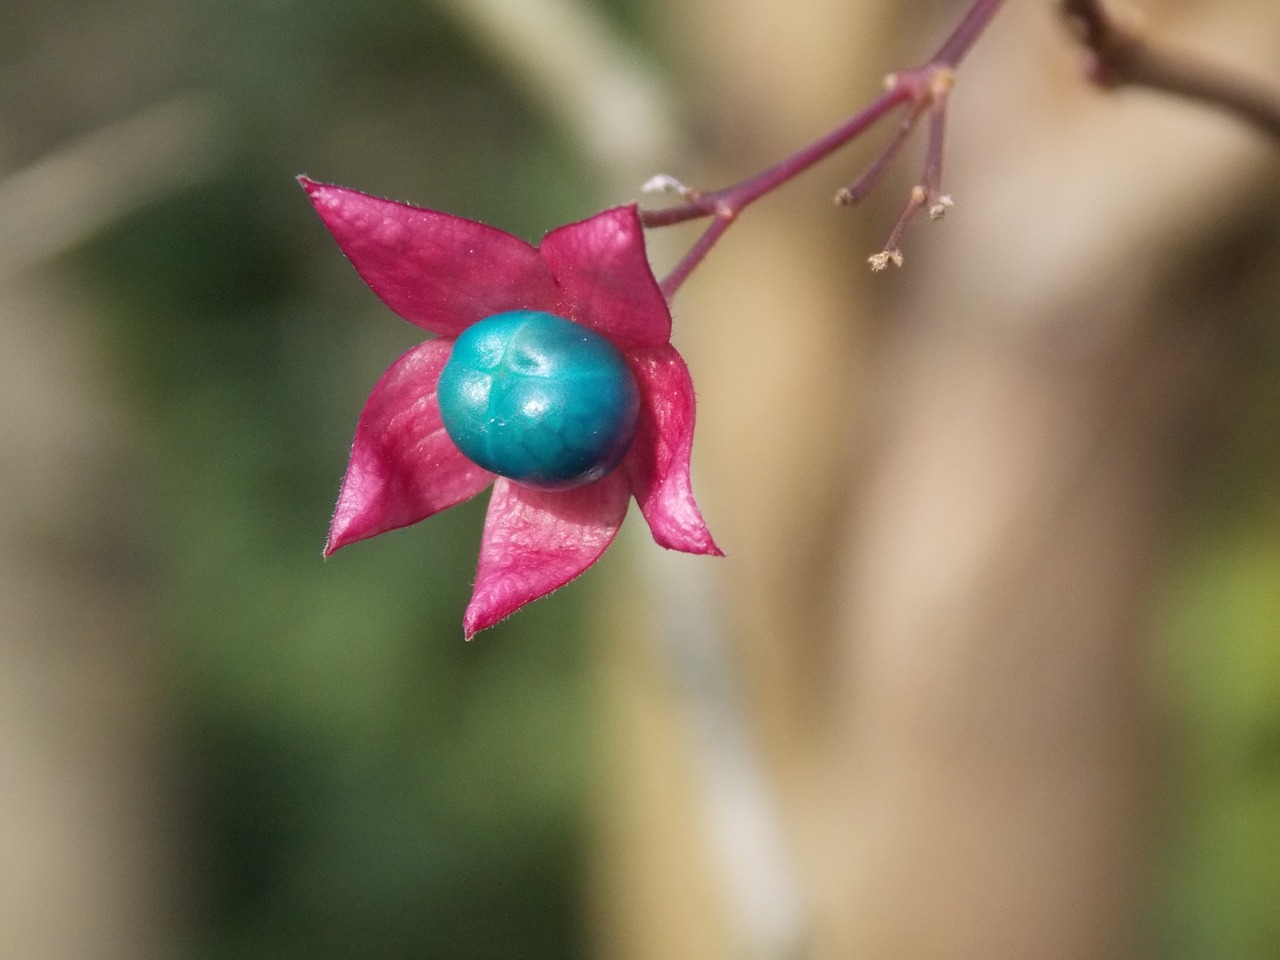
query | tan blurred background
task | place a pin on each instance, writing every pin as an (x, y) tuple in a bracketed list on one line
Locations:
[(992, 668)]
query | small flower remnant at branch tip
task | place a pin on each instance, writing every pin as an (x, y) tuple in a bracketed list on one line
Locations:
[(882, 259), (550, 377), (939, 209), (665, 183)]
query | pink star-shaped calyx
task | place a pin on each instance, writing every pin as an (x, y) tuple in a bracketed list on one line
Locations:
[(444, 273)]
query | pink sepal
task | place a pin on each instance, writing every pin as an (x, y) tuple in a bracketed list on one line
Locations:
[(605, 278), (403, 465), (658, 462), (438, 271), (536, 541)]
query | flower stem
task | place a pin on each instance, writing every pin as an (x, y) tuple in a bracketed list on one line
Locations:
[(671, 283), (924, 87), (731, 201), (966, 33), (866, 182)]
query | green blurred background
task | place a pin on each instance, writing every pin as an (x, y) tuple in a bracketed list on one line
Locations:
[(342, 776), (349, 778)]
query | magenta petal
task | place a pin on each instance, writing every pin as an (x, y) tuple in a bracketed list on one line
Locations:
[(438, 271), (605, 278), (658, 462), (403, 465), (536, 541)]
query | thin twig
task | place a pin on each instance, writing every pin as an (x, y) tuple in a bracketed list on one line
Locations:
[(671, 283), (733, 200), (860, 188), (928, 193), (924, 87), (1122, 55)]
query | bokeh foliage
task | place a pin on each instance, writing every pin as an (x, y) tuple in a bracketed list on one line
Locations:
[(356, 780), (1217, 664)]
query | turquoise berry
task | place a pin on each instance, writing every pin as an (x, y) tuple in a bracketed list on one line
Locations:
[(539, 399)]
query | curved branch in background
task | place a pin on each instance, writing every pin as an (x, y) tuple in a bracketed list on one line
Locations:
[(66, 198), (1121, 54), (607, 96)]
